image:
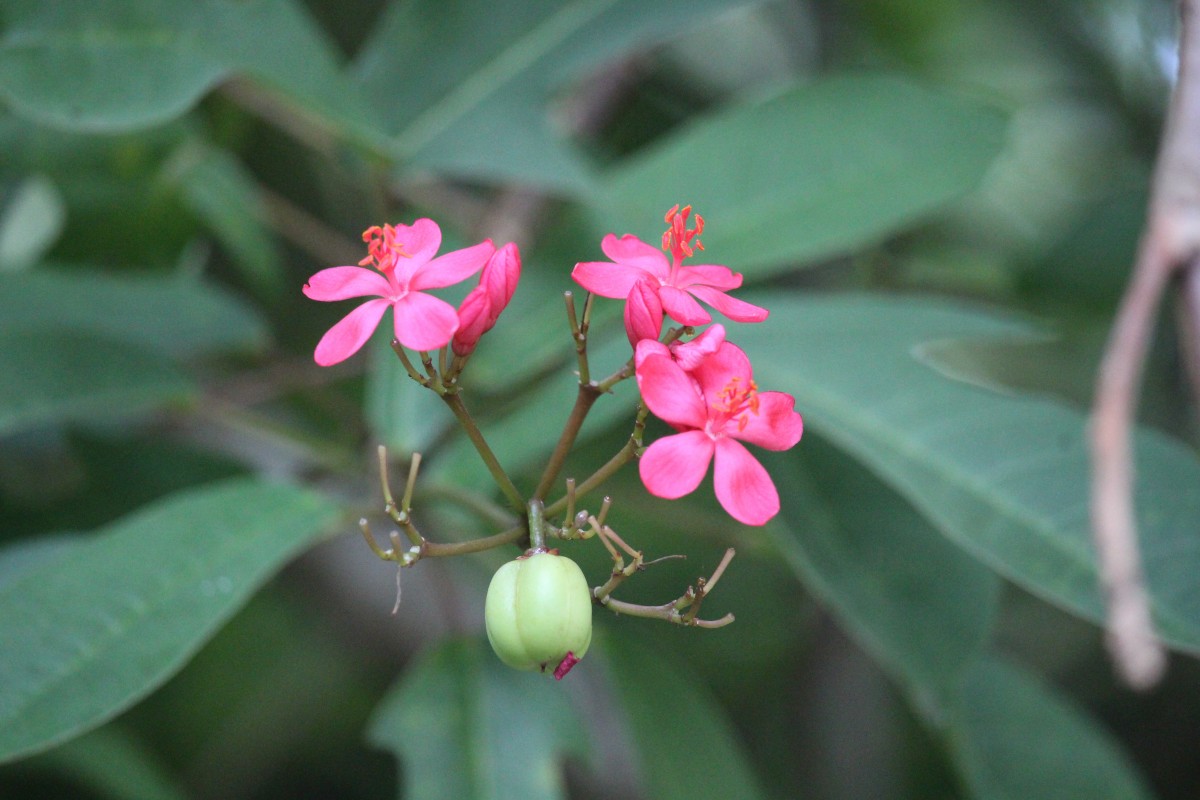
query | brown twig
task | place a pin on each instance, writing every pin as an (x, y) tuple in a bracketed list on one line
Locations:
[(307, 232), (305, 127), (1188, 314), (1170, 244)]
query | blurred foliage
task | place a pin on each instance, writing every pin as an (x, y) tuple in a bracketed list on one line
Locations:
[(938, 201)]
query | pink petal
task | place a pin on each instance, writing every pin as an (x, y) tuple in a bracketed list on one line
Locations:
[(474, 318), (674, 465), (713, 275), (736, 310), (743, 486), (345, 338), (719, 369), (500, 276), (690, 355), (670, 393), (647, 347), (424, 322), (342, 283), (421, 240), (681, 307), (643, 313), (630, 251), (776, 426), (452, 268), (607, 279)]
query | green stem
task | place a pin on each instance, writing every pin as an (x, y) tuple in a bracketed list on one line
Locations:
[(438, 550), (584, 399), (666, 612), (624, 372), (455, 402), (435, 377), (408, 365), (537, 533), (580, 334)]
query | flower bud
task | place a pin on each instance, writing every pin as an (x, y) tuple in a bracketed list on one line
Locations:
[(482, 306), (473, 321), (499, 279), (538, 613), (643, 313)]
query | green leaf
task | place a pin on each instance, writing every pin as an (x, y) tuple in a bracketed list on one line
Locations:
[(1016, 738), (21, 556), (86, 637), (917, 602), (813, 171), (685, 746), (220, 191), (176, 316), (114, 65), (466, 726), (1006, 477), (53, 377), (464, 85), (103, 65)]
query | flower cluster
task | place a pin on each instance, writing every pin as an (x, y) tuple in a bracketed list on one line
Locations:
[(653, 286), (399, 269), (703, 388)]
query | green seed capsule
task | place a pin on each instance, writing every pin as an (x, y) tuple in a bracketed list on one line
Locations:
[(539, 610)]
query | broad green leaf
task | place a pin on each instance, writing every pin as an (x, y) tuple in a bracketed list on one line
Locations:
[(465, 726), (685, 746), (813, 171), (220, 192), (52, 377), (113, 65), (104, 65), (1004, 476), (1015, 739), (86, 637), (176, 316), (21, 556), (110, 763), (917, 602), (464, 85), (30, 222)]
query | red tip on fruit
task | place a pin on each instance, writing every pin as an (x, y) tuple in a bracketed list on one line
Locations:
[(564, 666)]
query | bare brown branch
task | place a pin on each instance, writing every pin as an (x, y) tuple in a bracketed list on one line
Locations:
[(1169, 244)]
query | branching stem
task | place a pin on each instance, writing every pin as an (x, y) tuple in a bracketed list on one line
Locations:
[(1170, 245)]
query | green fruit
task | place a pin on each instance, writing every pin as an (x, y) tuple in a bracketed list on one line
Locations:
[(539, 609)]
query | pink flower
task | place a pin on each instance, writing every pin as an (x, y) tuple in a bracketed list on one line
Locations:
[(712, 407), (678, 286), (404, 266), (482, 306)]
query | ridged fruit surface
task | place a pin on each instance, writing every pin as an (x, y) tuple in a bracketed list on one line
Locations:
[(538, 609)]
